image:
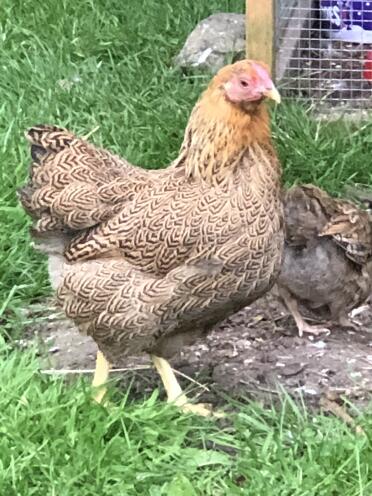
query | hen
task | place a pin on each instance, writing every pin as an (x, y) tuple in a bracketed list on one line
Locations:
[(146, 261), (327, 258)]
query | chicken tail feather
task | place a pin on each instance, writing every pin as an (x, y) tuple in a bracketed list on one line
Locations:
[(68, 181)]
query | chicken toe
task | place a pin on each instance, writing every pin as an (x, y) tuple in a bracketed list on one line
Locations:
[(202, 409), (303, 326)]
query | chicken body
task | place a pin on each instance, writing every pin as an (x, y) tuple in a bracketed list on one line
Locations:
[(327, 260), (146, 261)]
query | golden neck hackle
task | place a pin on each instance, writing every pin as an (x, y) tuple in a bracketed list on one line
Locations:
[(219, 134)]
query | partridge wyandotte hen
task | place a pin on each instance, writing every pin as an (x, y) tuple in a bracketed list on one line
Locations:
[(327, 258), (146, 261)]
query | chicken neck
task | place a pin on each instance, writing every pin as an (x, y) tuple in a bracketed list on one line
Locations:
[(219, 134)]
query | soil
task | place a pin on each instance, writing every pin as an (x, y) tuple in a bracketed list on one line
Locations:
[(252, 354)]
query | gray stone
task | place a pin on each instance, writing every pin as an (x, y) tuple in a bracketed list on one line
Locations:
[(216, 40)]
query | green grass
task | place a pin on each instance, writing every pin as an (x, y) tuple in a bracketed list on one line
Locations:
[(328, 154), (109, 64), (54, 441)]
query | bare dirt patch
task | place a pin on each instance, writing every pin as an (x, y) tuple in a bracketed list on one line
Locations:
[(251, 354)]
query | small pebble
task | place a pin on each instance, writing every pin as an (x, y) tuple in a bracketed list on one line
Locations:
[(319, 344), (54, 349)]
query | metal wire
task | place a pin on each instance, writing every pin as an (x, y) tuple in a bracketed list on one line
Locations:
[(313, 64)]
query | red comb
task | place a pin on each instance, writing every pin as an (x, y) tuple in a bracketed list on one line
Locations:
[(263, 75)]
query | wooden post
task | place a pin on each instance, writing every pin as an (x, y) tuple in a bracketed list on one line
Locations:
[(260, 31)]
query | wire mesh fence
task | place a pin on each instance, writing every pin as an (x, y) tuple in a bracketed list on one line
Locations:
[(325, 51)]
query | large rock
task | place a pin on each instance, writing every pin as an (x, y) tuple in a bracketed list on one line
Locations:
[(217, 40)]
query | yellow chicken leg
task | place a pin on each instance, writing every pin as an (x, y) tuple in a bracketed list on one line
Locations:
[(174, 392), (100, 376)]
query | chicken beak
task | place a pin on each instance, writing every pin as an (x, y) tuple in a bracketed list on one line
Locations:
[(273, 94)]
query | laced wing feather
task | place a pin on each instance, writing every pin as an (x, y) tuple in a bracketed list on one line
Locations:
[(352, 231)]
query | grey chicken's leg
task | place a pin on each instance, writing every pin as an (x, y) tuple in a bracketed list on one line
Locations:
[(302, 326), (340, 316)]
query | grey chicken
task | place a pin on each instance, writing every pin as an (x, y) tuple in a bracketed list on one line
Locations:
[(327, 260)]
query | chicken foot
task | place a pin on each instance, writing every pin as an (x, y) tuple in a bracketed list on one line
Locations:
[(302, 326), (341, 413), (344, 321), (174, 391), (100, 376)]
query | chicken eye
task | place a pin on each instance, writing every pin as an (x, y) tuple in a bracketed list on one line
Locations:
[(244, 83)]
